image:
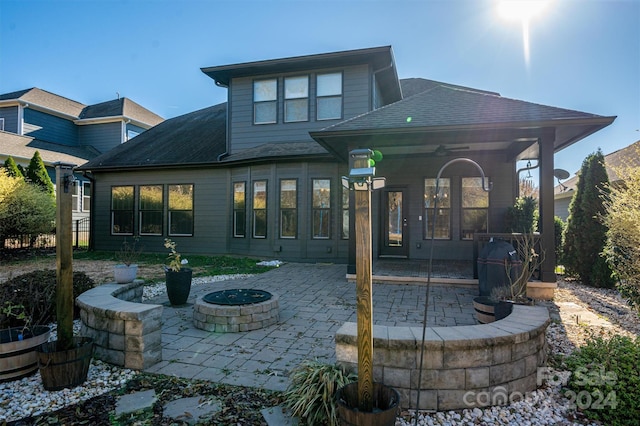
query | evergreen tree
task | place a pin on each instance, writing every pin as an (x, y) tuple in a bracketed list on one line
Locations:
[(585, 235), (37, 174), (12, 168)]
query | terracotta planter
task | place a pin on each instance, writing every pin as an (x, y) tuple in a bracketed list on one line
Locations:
[(386, 401), (61, 369), (178, 285), (18, 357), (125, 274)]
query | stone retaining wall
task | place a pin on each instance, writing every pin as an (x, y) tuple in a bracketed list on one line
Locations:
[(126, 332), (463, 366)]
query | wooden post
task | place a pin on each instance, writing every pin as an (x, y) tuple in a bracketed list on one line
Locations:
[(364, 299), (64, 256)]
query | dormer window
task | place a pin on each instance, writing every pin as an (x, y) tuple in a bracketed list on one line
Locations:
[(296, 99), (265, 97), (329, 96)]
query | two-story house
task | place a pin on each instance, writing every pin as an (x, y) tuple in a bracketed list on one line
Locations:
[(261, 173), (64, 130)]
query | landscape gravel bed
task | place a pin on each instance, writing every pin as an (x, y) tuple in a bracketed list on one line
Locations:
[(546, 406)]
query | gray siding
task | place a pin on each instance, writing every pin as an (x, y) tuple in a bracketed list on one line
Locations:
[(561, 207), (213, 204), (49, 128), (10, 115), (244, 134), (102, 137)]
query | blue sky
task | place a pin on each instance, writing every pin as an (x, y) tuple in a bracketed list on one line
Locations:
[(584, 54)]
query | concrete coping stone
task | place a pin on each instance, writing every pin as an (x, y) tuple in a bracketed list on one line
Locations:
[(103, 301), (523, 323)]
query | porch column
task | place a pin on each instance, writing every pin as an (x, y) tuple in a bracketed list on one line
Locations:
[(547, 229)]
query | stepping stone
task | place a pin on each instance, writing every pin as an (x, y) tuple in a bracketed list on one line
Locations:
[(191, 410), (136, 401), (277, 416)]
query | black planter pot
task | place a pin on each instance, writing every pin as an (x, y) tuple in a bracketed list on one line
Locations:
[(178, 285), (386, 401), (68, 368)]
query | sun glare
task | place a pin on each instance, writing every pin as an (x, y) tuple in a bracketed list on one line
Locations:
[(523, 11)]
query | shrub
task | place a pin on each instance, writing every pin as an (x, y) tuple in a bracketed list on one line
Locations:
[(24, 208), (623, 235), (605, 379), (36, 292), (558, 230), (585, 235), (522, 216), (312, 392), (36, 174)]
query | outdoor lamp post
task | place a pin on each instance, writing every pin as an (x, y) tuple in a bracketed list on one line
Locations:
[(361, 180)]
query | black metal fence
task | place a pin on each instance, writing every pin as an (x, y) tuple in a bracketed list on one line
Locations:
[(80, 228)]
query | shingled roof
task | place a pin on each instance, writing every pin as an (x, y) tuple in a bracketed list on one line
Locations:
[(198, 137), (446, 106), (121, 107), (23, 147)]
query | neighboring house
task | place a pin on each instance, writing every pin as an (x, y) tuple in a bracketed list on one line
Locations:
[(63, 130), (260, 175), (625, 157)]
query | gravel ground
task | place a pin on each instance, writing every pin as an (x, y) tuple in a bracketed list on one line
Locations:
[(25, 402)]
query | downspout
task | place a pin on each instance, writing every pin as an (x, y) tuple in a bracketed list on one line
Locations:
[(226, 152)]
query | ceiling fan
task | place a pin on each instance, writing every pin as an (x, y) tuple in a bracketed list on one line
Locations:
[(442, 151)]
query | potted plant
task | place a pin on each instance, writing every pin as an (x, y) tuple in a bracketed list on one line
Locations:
[(519, 275), (311, 395), (519, 266), (177, 277), (127, 270), (18, 342)]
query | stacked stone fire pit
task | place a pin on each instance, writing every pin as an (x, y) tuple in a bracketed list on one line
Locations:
[(236, 310)]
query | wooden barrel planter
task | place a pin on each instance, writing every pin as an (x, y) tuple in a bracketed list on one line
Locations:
[(386, 401), (18, 356), (485, 309), (61, 369)]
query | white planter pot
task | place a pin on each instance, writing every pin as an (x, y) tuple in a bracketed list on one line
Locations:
[(125, 274)]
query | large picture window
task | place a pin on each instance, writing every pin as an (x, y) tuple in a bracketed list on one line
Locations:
[(239, 209), (288, 208), (180, 209), (329, 96), (321, 208), (151, 209), (265, 98), (260, 209), (475, 208), (442, 215), (122, 205), (296, 99)]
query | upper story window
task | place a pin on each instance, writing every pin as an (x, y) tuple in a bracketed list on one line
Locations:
[(296, 99), (329, 96), (265, 101)]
